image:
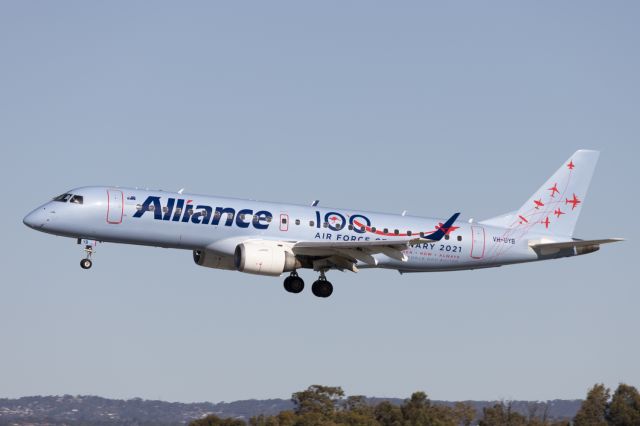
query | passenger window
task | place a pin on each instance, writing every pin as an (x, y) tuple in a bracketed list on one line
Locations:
[(242, 216), (311, 223), (338, 227), (138, 206), (77, 199), (408, 233), (422, 235), (217, 215), (385, 231), (190, 212), (459, 237), (373, 229), (284, 220), (152, 208), (325, 225), (396, 232), (446, 237), (350, 227), (297, 221), (165, 209), (269, 219)]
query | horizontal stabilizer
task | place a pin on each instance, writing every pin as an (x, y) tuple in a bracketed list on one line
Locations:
[(577, 247)]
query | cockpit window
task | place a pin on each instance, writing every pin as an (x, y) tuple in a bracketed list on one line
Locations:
[(66, 197), (63, 198), (77, 199)]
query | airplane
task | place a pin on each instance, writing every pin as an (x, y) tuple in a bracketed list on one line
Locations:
[(270, 239)]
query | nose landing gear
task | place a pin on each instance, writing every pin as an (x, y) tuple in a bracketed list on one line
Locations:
[(86, 263), (322, 287), (293, 283)]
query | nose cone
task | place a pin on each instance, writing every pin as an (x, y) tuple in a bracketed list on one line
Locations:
[(36, 219)]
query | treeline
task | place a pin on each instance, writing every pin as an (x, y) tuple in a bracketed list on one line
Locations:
[(327, 406)]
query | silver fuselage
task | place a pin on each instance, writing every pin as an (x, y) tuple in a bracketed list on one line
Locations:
[(190, 222)]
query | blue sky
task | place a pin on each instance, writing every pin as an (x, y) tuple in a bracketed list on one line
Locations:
[(427, 107)]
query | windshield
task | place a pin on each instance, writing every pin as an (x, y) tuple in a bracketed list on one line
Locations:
[(63, 198), (72, 198)]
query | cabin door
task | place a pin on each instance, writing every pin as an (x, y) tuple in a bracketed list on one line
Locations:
[(115, 206), (477, 242), (284, 222)]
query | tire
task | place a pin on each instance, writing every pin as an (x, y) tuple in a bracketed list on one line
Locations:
[(296, 285), (86, 263), (287, 284), (322, 288), (293, 284)]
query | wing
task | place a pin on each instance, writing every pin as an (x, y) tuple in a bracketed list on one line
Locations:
[(344, 254)]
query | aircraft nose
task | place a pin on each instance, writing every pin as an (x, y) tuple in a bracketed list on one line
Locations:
[(36, 219)]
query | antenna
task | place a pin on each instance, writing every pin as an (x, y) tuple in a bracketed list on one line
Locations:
[(315, 203), (181, 191), (404, 212)]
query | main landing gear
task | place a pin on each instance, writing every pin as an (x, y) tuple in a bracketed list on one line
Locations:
[(321, 288), (86, 263), (293, 283)]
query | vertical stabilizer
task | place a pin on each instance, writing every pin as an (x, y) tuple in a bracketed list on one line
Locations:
[(554, 208)]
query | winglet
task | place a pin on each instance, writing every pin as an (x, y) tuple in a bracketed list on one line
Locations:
[(437, 236)]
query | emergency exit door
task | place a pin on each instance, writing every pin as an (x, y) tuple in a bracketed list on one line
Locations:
[(115, 206), (477, 242)]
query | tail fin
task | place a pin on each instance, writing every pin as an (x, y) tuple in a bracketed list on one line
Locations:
[(554, 208)]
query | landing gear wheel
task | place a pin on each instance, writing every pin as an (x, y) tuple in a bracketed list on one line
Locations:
[(293, 283), (322, 288), (86, 263)]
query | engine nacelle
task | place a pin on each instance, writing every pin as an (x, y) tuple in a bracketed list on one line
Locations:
[(264, 257), (211, 259)]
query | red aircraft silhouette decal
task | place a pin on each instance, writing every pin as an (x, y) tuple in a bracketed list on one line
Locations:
[(554, 189), (574, 202), (558, 212), (570, 165), (523, 219), (538, 203), (546, 222)]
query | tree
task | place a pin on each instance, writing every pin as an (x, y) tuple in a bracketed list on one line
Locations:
[(593, 411), (464, 413), (501, 415), (414, 410), (213, 420), (388, 414), (317, 399), (356, 412), (624, 409)]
